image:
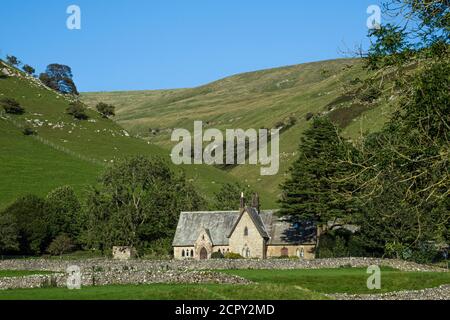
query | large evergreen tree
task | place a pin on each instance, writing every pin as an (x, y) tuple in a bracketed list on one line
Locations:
[(317, 188)]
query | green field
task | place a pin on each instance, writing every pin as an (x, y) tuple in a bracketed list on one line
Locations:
[(269, 285), (71, 152), (21, 273), (256, 100)]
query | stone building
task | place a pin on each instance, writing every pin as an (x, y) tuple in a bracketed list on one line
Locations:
[(249, 232)]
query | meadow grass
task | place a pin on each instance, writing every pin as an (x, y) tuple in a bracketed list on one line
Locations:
[(302, 284)]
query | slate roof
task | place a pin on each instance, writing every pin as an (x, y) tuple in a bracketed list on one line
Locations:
[(220, 224)]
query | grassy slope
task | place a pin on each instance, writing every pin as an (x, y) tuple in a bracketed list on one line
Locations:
[(269, 285), (251, 100), (70, 152)]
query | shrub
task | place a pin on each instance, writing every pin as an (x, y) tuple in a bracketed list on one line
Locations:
[(29, 131), (11, 106), (217, 255), (77, 110), (309, 116), (106, 110), (232, 255), (28, 69), (60, 245)]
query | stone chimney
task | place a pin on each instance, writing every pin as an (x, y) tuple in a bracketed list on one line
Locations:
[(255, 202), (242, 203)]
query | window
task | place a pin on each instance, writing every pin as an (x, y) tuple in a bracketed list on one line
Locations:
[(246, 231), (203, 237), (192, 253), (247, 253), (284, 252), (182, 253), (187, 253)]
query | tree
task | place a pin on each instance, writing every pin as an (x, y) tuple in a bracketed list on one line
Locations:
[(402, 172), (13, 61), (228, 197), (11, 106), (137, 202), (29, 216), (60, 245), (316, 189), (106, 110), (9, 234), (28, 69), (64, 214), (77, 110), (59, 77)]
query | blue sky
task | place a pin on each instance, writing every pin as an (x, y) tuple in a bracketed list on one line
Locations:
[(149, 44)]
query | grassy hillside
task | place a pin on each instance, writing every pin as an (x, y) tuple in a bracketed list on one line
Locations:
[(67, 151), (259, 99)]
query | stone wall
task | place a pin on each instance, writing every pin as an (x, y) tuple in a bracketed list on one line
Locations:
[(308, 251), (239, 242), (219, 264), (118, 277)]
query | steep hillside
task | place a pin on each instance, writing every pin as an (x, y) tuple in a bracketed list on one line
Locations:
[(65, 150), (262, 99)]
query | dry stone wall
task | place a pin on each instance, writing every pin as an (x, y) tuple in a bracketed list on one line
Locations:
[(105, 265)]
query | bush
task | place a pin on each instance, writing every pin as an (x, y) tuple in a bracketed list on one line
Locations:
[(60, 245), (77, 110), (12, 106), (106, 110), (309, 116), (217, 255), (232, 255), (29, 131), (28, 69)]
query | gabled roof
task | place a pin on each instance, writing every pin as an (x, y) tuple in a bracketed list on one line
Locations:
[(190, 224), (220, 224), (257, 220)]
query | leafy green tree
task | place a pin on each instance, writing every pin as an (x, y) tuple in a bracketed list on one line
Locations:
[(402, 172), (64, 213), (229, 195), (28, 69), (29, 215), (138, 202), (60, 78), (316, 189), (60, 245), (13, 60), (9, 235), (106, 110), (77, 110)]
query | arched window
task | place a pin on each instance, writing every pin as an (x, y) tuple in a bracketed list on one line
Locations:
[(219, 251), (247, 253), (302, 253), (192, 253), (203, 237), (246, 231), (182, 253)]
